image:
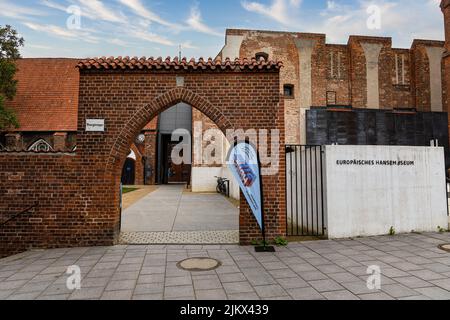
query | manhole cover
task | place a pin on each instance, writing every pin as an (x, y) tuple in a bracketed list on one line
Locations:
[(445, 247), (199, 264)]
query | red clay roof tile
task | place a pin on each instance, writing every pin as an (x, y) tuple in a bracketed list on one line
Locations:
[(127, 63), (47, 95)]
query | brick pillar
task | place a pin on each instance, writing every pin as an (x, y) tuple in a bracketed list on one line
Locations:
[(150, 153), (139, 167), (445, 6), (13, 142), (59, 141)]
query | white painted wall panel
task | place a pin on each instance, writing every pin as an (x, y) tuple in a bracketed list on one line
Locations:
[(203, 180), (366, 200)]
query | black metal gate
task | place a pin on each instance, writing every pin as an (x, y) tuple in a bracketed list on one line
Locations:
[(305, 193)]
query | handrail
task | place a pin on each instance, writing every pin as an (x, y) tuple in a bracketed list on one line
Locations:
[(18, 215)]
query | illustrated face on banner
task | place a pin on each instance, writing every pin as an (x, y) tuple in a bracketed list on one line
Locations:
[(243, 164)]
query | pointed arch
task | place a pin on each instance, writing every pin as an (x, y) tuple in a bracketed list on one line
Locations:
[(40, 146), (161, 103)]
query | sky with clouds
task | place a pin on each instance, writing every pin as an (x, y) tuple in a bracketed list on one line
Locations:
[(87, 28)]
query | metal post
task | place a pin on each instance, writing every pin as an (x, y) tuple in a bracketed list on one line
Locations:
[(265, 247)]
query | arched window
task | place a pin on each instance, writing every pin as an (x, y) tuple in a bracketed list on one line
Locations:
[(40, 146), (132, 155), (262, 55)]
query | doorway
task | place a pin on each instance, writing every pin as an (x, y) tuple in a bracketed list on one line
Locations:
[(171, 172), (129, 172), (175, 119)]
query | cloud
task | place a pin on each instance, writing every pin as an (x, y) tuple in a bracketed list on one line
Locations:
[(401, 19), (195, 23), (53, 5), (96, 9), (14, 11), (278, 10), (62, 32), (138, 8), (136, 28), (150, 37), (118, 42), (296, 3), (188, 45)]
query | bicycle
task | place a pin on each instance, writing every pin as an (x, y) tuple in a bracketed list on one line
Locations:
[(223, 186)]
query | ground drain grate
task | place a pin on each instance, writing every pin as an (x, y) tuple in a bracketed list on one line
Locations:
[(445, 247), (199, 264)]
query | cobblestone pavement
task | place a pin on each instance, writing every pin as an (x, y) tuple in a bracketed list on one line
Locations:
[(412, 267), (191, 237)]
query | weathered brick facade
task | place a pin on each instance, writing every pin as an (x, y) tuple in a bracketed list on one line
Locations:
[(445, 6), (365, 73), (150, 151), (78, 193)]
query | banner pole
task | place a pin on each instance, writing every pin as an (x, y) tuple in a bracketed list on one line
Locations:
[(264, 248)]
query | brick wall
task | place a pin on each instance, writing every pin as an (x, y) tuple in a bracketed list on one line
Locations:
[(445, 6), (227, 98), (79, 194), (139, 166), (338, 85), (339, 72), (150, 152), (62, 217), (200, 159)]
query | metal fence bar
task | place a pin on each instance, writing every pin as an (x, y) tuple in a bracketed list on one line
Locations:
[(305, 191), (322, 152), (448, 196), (301, 190)]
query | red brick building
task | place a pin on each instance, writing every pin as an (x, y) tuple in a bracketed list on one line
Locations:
[(366, 73), (445, 6), (46, 105)]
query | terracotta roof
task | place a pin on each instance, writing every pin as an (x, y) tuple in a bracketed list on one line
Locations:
[(152, 125), (127, 63), (47, 94)]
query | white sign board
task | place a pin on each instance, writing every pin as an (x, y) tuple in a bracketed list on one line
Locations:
[(95, 125), (370, 189)]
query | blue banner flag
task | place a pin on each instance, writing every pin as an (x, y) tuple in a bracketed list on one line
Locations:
[(244, 165)]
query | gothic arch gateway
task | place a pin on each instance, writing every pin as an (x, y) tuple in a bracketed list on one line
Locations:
[(129, 93)]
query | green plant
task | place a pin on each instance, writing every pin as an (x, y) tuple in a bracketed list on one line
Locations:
[(126, 190), (441, 230), (280, 241), (10, 43), (259, 243), (392, 231)]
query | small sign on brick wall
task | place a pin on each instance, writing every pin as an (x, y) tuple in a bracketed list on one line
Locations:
[(95, 125)]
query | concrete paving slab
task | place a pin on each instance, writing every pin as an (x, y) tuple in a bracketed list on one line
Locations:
[(150, 272), (169, 209)]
